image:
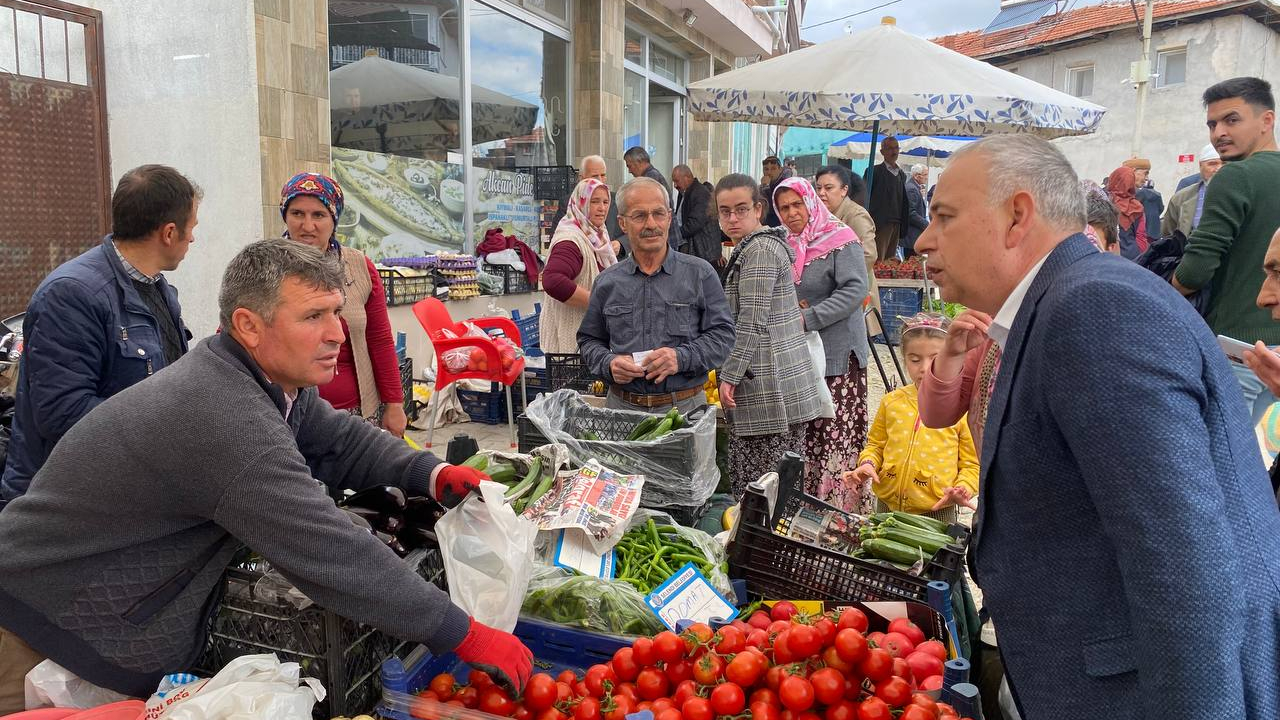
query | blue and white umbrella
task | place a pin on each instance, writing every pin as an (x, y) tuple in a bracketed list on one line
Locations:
[(857, 146), (888, 81)]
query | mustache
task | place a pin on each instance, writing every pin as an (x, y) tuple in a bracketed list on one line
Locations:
[(652, 233)]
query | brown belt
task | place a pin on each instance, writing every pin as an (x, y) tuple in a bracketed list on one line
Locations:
[(655, 400)]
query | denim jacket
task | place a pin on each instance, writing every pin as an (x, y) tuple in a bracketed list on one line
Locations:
[(89, 335)]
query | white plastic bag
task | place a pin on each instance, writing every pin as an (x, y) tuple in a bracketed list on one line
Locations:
[(51, 685), (818, 354), (250, 687), (488, 556)]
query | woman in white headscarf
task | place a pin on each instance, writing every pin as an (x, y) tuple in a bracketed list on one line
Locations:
[(580, 250)]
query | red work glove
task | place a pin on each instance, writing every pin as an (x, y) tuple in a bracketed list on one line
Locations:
[(497, 653), (455, 482)]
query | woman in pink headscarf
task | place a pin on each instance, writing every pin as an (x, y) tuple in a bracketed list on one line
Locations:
[(831, 283), (580, 250)]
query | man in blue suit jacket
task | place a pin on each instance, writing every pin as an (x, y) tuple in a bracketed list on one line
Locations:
[(1126, 541)]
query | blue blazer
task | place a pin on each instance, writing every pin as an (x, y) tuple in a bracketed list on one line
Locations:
[(1127, 540)]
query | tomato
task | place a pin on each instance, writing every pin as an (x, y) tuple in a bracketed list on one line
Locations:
[(782, 653), (915, 712), (668, 647), (495, 701), (442, 685), (925, 702), (778, 626), (661, 704), (783, 610), (564, 692), (933, 682), (897, 644), (934, 648), (877, 665), (567, 677), (826, 630), (684, 690), (773, 677), (678, 672), (740, 625), (587, 709), (758, 638), (728, 699), (853, 687), (696, 708), (851, 645), (828, 685), (901, 668), (853, 619), (764, 711), (803, 641), (429, 695), (906, 627), (876, 638), (551, 714), (652, 684), (944, 709), (697, 634), (600, 680), (468, 696), (732, 640), (643, 705), (832, 659), (796, 693), (622, 707), (745, 669), (668, 714), (479, 679), (708, 669), (842, 710), (628, 689), (923, 665), (580, 689), (764, 695), (895, 691), (874, 708), (540, 692), (522, 713), (759, 619), (642, 652)]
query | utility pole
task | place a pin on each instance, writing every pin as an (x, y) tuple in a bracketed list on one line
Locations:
[(1142, 76)]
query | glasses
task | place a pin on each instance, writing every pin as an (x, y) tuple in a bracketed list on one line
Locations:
[(642, 218), (739, 212)]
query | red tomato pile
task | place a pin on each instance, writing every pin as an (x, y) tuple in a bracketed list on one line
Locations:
[(776, 666), (479, 362)]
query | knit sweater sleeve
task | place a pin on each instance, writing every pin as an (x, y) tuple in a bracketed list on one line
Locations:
[(382, 348), (563, 265), (274, 507), (1226, 207)]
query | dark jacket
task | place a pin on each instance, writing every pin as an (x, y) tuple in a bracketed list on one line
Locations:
[(888, 203), (1153, 207), (699, 231), (89, 335), (917, 214), (114, 558), (1162, 258)]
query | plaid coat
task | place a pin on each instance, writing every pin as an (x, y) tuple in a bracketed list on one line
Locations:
[(776, 385)]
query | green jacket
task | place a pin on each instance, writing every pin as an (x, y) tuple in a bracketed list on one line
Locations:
[(1226, 250)]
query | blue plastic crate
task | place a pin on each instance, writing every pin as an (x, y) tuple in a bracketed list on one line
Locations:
[(528, 326), (895, 303), (486, 406), (555, 649)]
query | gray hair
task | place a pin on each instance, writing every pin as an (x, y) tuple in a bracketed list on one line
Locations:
[(636, 154), (582, 168), (640, 182), (1025, 162), (682, 168), (919, 169), (254, 276)]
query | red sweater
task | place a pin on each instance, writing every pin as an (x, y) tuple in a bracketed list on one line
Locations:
[(343, 392)]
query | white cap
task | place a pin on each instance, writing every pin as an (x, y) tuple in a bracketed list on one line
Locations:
[(1207, 153)]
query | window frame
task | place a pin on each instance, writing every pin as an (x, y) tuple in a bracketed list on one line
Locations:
[(1076, 71), (1161, 64)]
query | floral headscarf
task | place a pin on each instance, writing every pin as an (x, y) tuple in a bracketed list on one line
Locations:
[(577, 215), (821, 235), (324, 188), (1122, 186)]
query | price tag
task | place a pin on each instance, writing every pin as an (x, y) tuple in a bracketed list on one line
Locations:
[(687, 595), (575, 553)]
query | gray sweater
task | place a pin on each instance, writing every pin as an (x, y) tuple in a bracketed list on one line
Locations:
[(834, 286), (114, 556)]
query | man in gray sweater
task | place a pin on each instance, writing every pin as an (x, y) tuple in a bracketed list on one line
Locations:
[(113, 558)]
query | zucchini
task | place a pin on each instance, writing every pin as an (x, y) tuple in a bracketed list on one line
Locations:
[(929, 543), (892, 551), (477, 461), (502, 473), (927, 523), (588, 435), (535, 471), (538, 492)]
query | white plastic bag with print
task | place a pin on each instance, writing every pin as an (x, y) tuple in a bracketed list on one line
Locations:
[(248, 688), (51, 685), (818, 356), (488, 556)]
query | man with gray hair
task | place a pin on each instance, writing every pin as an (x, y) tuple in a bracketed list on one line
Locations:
[(1109, 558), (114, 556), (917, 208)]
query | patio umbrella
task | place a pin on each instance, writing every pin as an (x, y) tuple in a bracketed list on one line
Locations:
[(858, 146), (386, 106)]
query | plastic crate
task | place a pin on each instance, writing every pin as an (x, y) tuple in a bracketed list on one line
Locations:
[(345, 655), (486, 406), (779, 567), (406, 383), (418, 263), (528, 326), (566, 370), (513, 281), (897, 303), (551, 182), (405, 289), (555, 648)]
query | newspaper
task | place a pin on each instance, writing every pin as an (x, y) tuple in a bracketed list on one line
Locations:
[(828, 529), (595, 499)]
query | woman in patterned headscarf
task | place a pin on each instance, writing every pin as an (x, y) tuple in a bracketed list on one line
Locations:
[(580, 250), (831, 282), (367, 380)]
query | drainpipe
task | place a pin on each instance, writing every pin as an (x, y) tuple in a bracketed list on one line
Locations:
[(771, 14)]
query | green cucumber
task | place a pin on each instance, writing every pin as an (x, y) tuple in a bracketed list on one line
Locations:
[(644, 427)]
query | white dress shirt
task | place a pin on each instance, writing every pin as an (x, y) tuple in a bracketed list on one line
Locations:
[(1002, 323)]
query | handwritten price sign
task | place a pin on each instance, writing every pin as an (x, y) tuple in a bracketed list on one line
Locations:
[(687, 595)]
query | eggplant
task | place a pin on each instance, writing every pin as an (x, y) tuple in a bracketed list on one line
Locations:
[(422, 512), (386, 499), (358, 520), (417, 537)]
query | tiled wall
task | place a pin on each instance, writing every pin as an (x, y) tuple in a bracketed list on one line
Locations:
[(598, 82), (292, 40)]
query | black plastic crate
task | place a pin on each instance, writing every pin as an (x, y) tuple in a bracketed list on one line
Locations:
[(778, 567), (405, 289), (513, 280), (566, 370), (551, 182), (344, 655)]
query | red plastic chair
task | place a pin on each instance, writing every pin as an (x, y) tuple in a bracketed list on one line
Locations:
[(434, 318)]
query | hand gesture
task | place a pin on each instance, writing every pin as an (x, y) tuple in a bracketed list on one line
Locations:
[(726, 396), (956, 495), (660, 364), (624, 370), (968, 331), (861, 475), (1264, 363)]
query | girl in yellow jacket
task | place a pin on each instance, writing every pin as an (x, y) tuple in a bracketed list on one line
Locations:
[(911, 467)]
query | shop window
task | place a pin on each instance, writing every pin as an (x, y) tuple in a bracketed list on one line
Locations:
[(1171, 67), (633, 46), (1080, 81), (633, 109), (666, 64), (40, 46)]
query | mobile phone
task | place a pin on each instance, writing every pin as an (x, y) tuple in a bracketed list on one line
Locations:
[(1233, 348)]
